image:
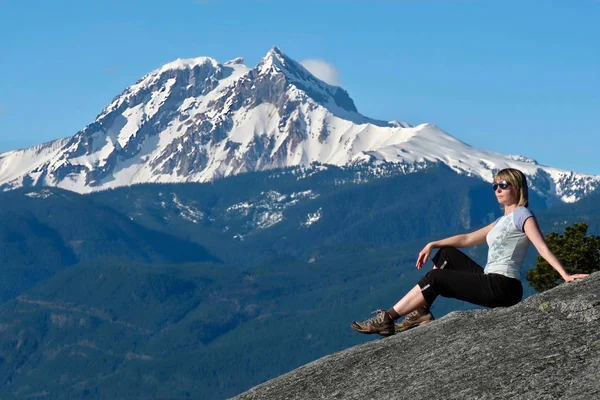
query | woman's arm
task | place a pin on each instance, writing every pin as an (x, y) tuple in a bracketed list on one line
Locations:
[(464, 240), (534, 234)]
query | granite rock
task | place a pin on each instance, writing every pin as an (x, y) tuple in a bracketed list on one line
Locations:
[(546, 347)]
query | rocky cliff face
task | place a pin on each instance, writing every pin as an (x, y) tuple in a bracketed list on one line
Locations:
[(546, 347)]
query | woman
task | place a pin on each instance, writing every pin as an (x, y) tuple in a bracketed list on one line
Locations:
[(455, 275)]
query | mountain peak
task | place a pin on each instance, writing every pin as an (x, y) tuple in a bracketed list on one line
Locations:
[(180, 64), (235, 61), (276, 51), (275, 63), (195, 120), (275, 60), (188, 63)]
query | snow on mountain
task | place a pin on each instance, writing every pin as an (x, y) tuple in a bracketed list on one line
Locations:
[(196, 120), (311, 218), (267, 209)]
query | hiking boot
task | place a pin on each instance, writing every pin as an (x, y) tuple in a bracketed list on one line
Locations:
[(415, 318), (381, 323)]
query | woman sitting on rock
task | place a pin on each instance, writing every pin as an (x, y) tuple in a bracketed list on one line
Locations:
[(456, 275)]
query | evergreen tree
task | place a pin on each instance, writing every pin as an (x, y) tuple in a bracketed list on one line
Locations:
[(578, 253)]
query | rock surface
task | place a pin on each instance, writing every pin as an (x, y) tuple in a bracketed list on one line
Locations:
[(546, 347)]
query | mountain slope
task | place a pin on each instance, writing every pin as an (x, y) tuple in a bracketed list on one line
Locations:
[(43, 231), (113, 329), (118, 330), (197, 120), (245, 218), (545, 347)]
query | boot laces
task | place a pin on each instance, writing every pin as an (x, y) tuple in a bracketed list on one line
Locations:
[(377, 318)]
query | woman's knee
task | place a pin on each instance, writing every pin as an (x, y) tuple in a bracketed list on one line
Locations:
[(433, 275), (443, 255), (427, 285)]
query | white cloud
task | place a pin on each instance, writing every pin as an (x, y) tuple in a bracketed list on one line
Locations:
[(322, 70)]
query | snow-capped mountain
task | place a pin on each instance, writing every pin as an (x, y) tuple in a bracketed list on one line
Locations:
[(196, 120)]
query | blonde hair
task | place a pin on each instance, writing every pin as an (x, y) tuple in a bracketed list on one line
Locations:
[(518, 181)]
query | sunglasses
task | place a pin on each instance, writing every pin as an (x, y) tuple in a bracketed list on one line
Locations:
[(502, 185)]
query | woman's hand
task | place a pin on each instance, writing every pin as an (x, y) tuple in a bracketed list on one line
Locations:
[(423, 256), (571, 278)]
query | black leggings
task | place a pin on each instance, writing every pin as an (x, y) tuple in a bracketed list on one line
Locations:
[(459, 277)]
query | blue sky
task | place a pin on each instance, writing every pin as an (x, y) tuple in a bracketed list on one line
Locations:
[(516, 77)]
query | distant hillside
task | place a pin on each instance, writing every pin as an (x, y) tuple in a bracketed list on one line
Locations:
[(249, 217), (42, 231), (296, 256)]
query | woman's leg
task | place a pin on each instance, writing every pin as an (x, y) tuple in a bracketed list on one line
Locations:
[(447, 258), (488, 290), (454, 259), (383, 322), (411, 301), (447, 262)]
